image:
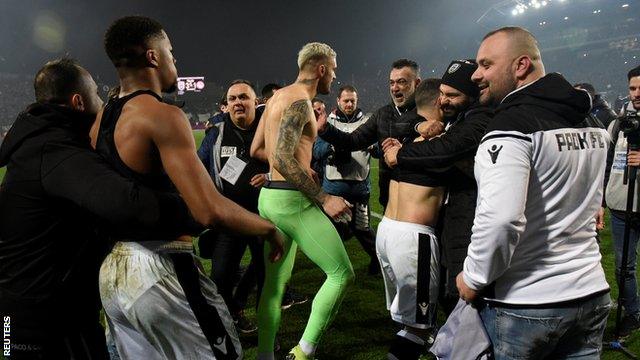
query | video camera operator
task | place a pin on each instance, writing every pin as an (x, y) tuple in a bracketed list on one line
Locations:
[(624, 152)]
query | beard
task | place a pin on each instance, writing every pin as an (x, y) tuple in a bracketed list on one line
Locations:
[(500, 89)]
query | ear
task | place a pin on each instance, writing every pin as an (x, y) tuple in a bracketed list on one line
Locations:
[(438, 102), (523, 66), (418, 81), (322, 69), (77, 103), (152, 57)]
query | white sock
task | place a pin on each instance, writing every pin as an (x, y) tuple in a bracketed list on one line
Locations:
[(411, 337), (266, 356), (308, 348)]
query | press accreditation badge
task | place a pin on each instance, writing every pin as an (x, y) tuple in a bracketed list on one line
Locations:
[(619, 162), (232, 169)]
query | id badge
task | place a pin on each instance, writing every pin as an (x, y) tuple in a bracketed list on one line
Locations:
[(233, 169)]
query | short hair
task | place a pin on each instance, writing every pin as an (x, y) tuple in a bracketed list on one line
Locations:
[(586, 86), (240, 81), (58, 80), (315, 100), (223, 100), (633, 73), (268, 90), (349, 88), (127, 39), (313, 52), (526, 42), (401, 63), (427, 92)]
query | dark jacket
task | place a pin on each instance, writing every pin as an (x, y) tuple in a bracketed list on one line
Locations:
[(388, 121), (454, 150), (55, 192), (209, 153), (602, 111)]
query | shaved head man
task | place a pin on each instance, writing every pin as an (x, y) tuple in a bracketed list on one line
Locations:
[(539, 170), (507, 59)]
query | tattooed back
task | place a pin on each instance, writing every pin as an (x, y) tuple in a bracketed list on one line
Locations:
[(290, 129)]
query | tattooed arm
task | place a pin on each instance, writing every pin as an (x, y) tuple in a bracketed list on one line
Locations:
[(293, 121)]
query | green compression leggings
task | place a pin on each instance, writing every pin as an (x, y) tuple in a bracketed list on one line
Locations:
[(306, 226)]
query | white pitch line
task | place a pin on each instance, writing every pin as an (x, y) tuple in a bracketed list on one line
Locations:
[(376, 215)]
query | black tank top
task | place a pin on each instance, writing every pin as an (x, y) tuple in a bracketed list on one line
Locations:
[(105, 145), (420, 178)]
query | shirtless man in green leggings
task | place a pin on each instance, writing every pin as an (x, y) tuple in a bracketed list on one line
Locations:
[(295, 204)]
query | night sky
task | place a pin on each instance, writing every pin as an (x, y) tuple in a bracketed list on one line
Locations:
[(224, 40)]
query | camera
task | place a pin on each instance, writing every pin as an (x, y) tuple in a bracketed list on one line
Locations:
[(630, 126)]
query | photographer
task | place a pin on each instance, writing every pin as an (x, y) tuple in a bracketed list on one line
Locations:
[(616, 199), (346, 173)]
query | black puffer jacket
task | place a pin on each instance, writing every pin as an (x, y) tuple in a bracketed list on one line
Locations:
[(387, 121)]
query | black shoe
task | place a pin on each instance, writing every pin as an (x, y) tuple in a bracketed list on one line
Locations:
[(628, 324), (244, 325), (404, 349), (291, 298)]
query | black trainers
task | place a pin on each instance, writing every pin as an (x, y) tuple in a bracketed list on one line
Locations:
[(291, 298), (244, 325), (628, 325)]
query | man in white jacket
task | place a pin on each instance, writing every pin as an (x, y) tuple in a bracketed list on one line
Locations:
[(533, 257)]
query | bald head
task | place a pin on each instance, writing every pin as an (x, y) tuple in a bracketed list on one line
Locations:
[(519, 40), (508, 58)]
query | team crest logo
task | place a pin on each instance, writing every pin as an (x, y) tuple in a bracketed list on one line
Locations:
[(494, 152), (453, 68)]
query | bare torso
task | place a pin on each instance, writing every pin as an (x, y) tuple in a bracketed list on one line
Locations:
[(414, 203), (272, 117)]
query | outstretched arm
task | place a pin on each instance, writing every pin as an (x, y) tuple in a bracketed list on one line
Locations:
[(257, 150), (283, 159), (177, 150)]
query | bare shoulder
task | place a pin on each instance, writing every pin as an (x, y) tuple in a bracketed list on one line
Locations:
[(157, 118)]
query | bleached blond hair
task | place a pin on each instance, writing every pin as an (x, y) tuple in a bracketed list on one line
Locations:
[(313, 52)]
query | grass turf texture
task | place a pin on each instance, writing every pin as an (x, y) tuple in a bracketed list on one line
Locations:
[(362, 329)]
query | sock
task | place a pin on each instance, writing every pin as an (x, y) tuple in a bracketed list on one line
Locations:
[(308, 348), (266, 356)]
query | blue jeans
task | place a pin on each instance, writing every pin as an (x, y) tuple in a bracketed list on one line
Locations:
[(573, 331), (629, 299)]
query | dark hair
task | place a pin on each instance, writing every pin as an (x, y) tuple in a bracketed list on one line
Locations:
[(633, 73), (268, 90), (126, 40), (427, 92), (58, 80), (586, 86), (223, 100), (400, 63), (315, 100), (349, 88), (239, 81)]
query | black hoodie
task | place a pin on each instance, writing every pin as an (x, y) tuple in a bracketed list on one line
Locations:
[(548, 103), (55, 191)]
